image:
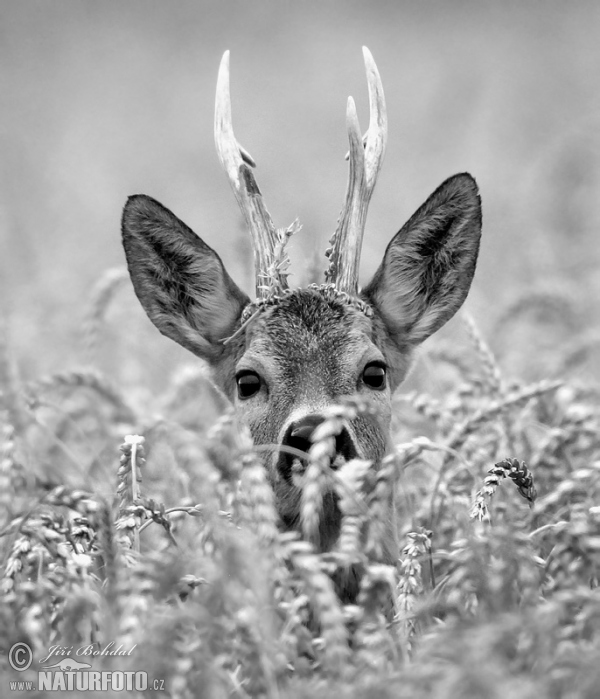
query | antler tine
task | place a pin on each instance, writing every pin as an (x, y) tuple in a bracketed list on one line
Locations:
[(377, 134), (366, 157), (237, 163)]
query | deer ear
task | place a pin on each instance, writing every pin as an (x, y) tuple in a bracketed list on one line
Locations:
[(179, 280), (428, 266)]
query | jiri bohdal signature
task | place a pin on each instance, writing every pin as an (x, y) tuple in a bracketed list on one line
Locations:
[(90, 651)]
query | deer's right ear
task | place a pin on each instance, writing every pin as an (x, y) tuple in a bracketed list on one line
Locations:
[(428, 267), (179, 280)]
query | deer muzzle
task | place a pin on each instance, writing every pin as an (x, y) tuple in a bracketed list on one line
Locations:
[(297, 441)]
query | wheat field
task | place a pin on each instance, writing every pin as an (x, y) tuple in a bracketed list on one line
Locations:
[(135, 511)]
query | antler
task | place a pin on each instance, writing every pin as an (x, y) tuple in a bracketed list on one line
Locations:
[(269, 258), (366, 157)]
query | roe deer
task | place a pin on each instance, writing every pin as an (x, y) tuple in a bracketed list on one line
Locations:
[(286, 356)]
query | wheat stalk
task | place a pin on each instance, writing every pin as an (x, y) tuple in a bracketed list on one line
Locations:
[(509, 468), (129, 477)]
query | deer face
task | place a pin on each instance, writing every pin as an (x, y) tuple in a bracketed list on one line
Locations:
[(303, 355), (286, 357)]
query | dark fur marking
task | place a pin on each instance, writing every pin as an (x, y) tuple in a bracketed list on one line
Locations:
[(429, 244)]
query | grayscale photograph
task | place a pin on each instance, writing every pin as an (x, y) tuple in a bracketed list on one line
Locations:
[(300, 349)]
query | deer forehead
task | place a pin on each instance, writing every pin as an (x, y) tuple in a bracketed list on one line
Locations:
[(305, 335)]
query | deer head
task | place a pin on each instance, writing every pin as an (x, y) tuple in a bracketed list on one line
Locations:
[(287, 355)]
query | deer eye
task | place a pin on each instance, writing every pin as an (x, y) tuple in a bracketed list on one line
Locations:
[(374, 375), (248, 384)]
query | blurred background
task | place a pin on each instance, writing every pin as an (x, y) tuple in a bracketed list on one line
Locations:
[(104, 100)]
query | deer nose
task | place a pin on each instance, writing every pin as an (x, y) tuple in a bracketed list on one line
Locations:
[(303, 429), (299, 436)]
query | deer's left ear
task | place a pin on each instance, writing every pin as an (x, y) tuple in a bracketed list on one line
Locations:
[(179, 280), (428, 266)]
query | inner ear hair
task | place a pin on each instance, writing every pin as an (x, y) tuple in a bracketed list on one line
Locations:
[(428, 266), (180, 281)]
